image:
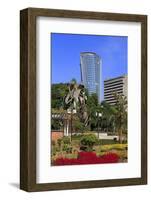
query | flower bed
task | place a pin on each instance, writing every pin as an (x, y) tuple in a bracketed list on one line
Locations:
[(88, 158)]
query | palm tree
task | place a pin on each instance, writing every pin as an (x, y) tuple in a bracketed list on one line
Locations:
[(121, 115), (92, 108), (108, 116)]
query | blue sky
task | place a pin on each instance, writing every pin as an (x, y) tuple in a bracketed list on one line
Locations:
[(66, 48)]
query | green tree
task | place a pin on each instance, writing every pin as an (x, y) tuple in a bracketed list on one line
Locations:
[(56, 124), (58, 92), (78, 125), (121, 115), (92, 107), (108, 116)]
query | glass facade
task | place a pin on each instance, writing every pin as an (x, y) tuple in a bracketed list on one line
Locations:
[(90, 72)]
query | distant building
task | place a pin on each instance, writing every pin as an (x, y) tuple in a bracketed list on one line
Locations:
[(90, 72), (115, 85)]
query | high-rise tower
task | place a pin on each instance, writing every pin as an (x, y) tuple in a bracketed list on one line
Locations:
[(90, 72)]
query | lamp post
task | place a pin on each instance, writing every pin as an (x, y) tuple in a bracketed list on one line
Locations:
[(71, 112), (98, 115)]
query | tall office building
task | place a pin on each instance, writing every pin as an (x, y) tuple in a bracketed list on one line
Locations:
[(90, 72), (115, 85)]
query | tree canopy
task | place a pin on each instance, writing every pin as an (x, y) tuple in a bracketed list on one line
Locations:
[(113, 118)]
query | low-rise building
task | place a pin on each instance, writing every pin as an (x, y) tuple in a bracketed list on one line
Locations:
[(116, 85)]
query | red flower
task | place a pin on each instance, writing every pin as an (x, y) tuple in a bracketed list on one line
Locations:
[(88, 158), (86, 155), (110, 158)]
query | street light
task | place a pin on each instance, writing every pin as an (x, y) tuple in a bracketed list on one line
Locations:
[(98, 115), (71, 112)]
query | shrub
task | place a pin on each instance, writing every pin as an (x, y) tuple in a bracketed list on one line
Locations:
[(66, 140), (67, 148), (110, 158), (88, 158), (83, 154), (54, 150), (122, 154), (83, 148), (59, 141), (89, 141), (113, 146)]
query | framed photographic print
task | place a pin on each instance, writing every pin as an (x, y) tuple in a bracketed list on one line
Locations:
[(83, 93)]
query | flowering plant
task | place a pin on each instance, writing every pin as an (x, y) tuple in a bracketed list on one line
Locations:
[(88, 158)]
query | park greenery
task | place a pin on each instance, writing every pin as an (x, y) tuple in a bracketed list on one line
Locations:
[(64, 148), (113, 121)]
